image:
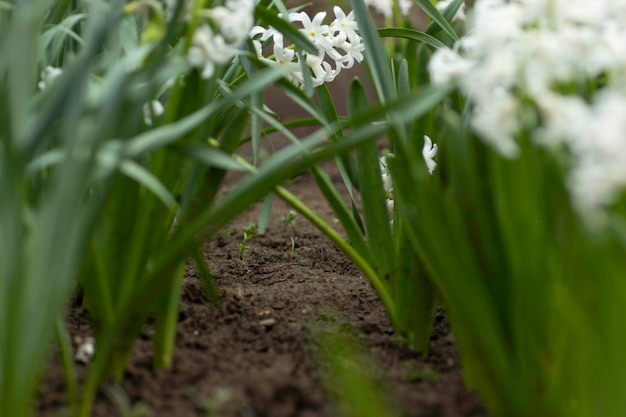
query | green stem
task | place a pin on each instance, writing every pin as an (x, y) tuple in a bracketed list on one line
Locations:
[(165, 324), (67, 361)]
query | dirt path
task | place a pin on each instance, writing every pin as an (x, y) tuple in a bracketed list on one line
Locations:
[(250, 359)]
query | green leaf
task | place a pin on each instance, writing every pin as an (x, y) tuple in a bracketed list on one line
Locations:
[(434, 14), (344, 163), (213, 157), (144, 177), (412, 35), (266, 214), (448, 13), (348, 222), (373, 196), (375, 55), (5, 5), (165, 135)]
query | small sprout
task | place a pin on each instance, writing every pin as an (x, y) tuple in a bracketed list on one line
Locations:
[(292, 252), (415, 374), (125, 408), (212, 406), (248, 234), (289, 219)]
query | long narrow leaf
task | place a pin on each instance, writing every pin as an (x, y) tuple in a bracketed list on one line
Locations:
[(434, 14), (375, 213), (376, 57), (412, 35)]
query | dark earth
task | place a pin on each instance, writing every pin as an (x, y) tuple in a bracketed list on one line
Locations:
[(252, 357)]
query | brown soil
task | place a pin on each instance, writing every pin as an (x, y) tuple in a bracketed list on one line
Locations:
[(252, 357)]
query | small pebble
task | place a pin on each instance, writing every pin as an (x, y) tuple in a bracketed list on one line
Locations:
[(267, 322)]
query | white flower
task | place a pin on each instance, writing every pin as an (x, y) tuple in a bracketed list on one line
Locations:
[(85, 350), (338, 46), (344, 26), (386, 176), (405, 6), (556, 70), (208, 49), (599, 174), (385, 7), (153, 108), (497, 122), (323, 72), (234, 20), (388, 186), (314, 29), (390, 206), (447, 65), (429, 151), (48, 75)]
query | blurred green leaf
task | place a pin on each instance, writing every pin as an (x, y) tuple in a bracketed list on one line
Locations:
[(375, 56), (434, 14), (413, 35)]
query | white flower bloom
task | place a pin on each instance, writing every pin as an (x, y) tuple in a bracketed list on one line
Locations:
[(344, 26), (405, 6), (85, 350), (390, 206), (447, 65), (234, 20), (385, 7), (498, 123), (314, 29), (555, 69), (323, 72), (208, 49), (338, 43), (153, 108), (600, 152), (48, 75), (429, 151)]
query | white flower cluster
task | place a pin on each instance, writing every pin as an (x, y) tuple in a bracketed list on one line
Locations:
[(429, 151), (385, 7), (555, 69), (218, 42), (48, 75), (338, 42)]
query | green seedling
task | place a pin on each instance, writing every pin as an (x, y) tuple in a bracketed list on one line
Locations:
[(289, 219), (293, 250), (120, 399), (211, 406), (424, 374), (248, 233)]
